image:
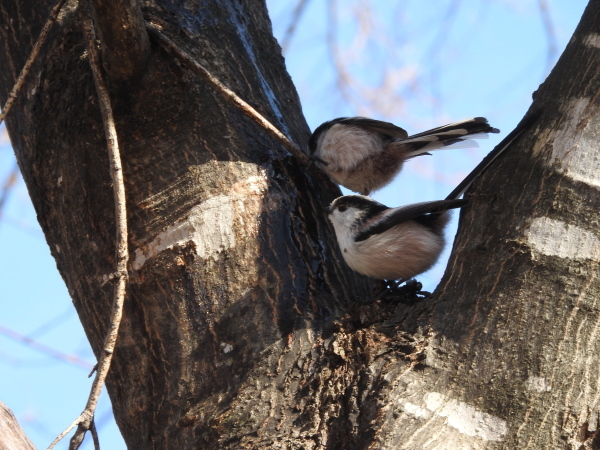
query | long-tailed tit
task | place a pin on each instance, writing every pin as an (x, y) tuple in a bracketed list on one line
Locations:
[(365, 154), (399, 243)]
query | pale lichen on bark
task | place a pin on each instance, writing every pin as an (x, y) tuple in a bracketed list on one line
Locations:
[(556, 238), (216, 223)]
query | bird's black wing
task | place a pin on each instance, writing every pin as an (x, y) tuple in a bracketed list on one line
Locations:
[(396, 216), (377, 126)]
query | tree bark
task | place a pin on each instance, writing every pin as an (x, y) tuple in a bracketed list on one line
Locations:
[(12, 437), (228, 266), (243, 328), (512, 355)]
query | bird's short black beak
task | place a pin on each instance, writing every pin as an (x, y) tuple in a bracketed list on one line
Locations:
[(313, 159), (319, 160), (327, 210)]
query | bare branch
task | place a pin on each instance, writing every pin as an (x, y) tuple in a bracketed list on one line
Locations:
[(95, 435), (344, 80), (231, 96), (65, 432), (36, 49), (9, 183), (124, 41), (296, 16), (71, 359), (25, 226), (385, 92), (434, 50), (52, 323), (550, 34), (84, 421)]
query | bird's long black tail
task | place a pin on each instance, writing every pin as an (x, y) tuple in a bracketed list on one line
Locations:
[(441, 137)]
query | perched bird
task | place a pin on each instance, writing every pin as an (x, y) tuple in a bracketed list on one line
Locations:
[(390, 243), (399, 243), (364, 155)]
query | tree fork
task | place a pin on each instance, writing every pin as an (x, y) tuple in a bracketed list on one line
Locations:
[(226, 228), (242, 327)]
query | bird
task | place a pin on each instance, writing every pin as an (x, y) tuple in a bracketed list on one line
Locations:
[(390, 243), (365, 154), (399, 243)]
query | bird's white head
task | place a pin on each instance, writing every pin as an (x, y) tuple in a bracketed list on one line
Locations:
[(351, 211)]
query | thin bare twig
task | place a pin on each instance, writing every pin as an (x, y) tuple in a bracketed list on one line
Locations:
[(84, 421), (93, 370), (95, 435), (71, 359), (51, 323), (7, 186), (36, 49), (434, 50), (289, 32), (344, 80), (231, 96), (65, 432), (24, 226), (550, 34)]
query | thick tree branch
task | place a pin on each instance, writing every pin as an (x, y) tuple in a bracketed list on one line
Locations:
[(12, 436), (512, 355), (32, 56), (124, 42), (227, 93)]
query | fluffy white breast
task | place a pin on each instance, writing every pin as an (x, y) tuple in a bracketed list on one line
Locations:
[(403, 251), (344, 147)]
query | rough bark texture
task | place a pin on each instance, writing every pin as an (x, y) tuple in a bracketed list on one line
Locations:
[(122, 33), (242, 327), (12, 436), (513, 355), (227, 234)]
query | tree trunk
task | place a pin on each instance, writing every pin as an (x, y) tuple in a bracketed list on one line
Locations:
[(243, 328), (12, 436)]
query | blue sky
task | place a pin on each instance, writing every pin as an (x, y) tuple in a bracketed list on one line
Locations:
[(440, 63)]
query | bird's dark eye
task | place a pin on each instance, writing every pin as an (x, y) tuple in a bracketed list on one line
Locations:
[(342, 208)]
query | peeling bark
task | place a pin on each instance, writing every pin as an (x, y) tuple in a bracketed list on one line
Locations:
[(243, 328)]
